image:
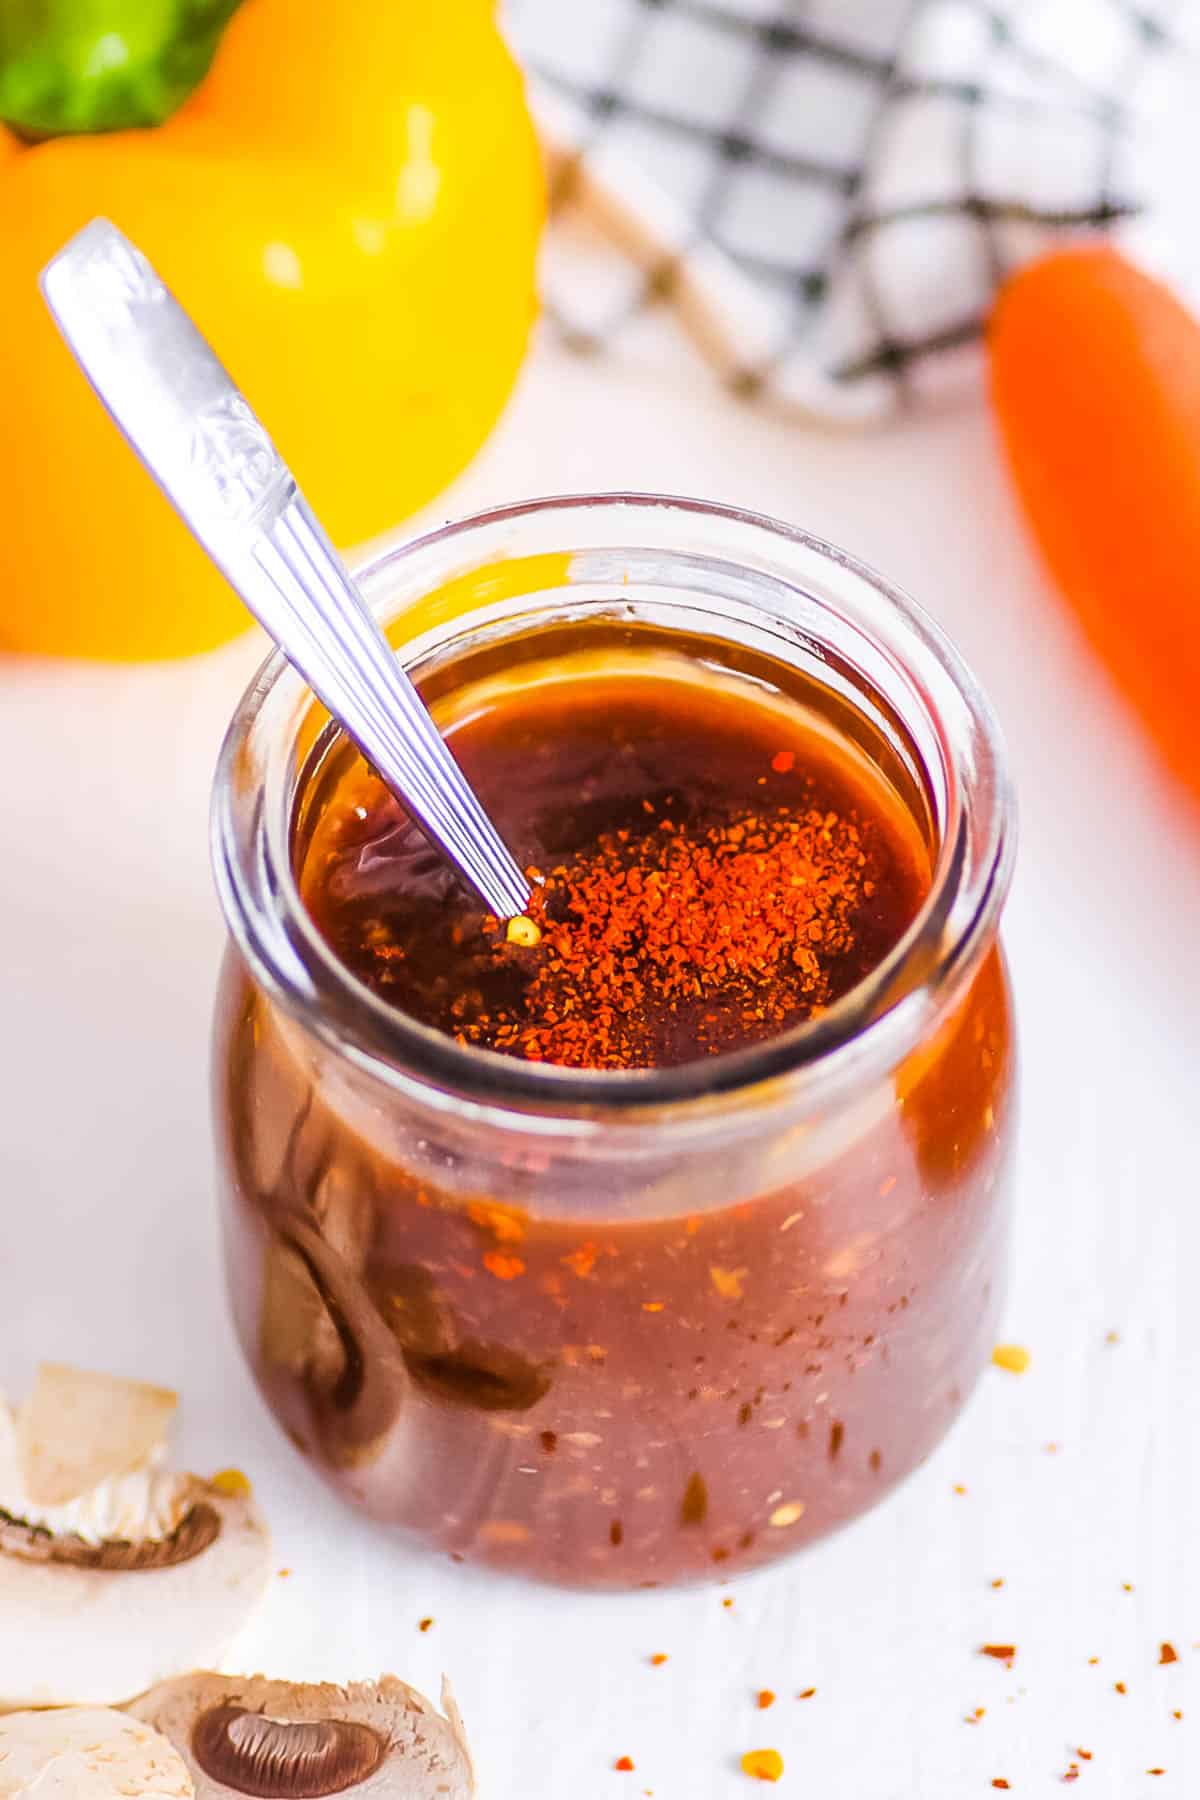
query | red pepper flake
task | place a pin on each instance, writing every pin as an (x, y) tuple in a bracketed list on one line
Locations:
[(624, 1764), (507, 1224), (959, 1488), (283, 1574), (806, 1693), (1167, 1654), (744, 920), (425, 1625), (1085, 1754), (762, 1765), (1156, 1771), (1072, 1773), (658, 1659), (763, 1699), (1120, 1686), (504, 1267), (783, 761), (998, 1582), (653, 1305), (1127, 1587), (581, 1262), (727, 1602), (998, 1781), (974, 1718), (1092, 1661), (1001, 1652), (1177, 1715)]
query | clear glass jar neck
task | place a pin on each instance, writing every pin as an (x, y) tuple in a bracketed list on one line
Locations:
[(699, 569)]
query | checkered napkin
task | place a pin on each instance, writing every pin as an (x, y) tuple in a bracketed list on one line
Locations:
[(828, 191)]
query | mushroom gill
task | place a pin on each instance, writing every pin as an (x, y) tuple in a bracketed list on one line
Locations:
[(274, 1758), (275, 1741)]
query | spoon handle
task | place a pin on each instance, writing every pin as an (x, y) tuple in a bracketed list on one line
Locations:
[(198, 437)]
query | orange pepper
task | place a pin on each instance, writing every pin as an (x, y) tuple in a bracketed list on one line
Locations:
[(349, 204), (1095, 380)]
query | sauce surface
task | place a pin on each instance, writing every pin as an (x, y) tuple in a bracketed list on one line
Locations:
[(711, 868)]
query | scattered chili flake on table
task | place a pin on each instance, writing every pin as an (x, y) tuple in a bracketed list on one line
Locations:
[(763, 1699), (283, 1574), (727, 1602), (1127, 1587), (1167, 1654), (998, 1781), (1012, 1357), (998, 1582), (1001, 1652), (1072, 1773), (959, 1488), (763, 1765), (1120, 1686), (1177, 1715), (425, 1625), (1156, 1771), (624, 1764), (974, 1718), (806, 1693), (658, 1659), (1092, 1661), (1085, 1754), (1112, 1337)]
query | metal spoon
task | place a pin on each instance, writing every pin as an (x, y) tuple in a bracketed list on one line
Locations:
[(199, 439)]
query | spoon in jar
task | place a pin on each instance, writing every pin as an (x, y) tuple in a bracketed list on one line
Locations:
[(197, 436)]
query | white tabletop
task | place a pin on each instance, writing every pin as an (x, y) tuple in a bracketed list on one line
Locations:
[(110, 1254)]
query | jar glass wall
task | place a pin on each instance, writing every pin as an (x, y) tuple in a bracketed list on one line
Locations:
[(622, 1328)]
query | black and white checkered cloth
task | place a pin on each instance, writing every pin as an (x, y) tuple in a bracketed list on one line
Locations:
[(829, 190)]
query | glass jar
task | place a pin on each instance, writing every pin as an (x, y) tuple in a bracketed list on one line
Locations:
[(622, 1329)]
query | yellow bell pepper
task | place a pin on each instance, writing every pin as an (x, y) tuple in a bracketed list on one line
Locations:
[(349, 204)]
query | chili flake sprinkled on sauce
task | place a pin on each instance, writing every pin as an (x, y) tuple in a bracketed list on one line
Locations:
[(737, 921), (694, 889), (1013, 1357)]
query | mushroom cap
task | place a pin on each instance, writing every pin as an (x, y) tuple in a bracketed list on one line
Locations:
[(88, 1754), (78, 1429), (75, 1635), (373, 1740)]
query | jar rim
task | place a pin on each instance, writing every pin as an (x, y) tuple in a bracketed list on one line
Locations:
[(870, 1028)]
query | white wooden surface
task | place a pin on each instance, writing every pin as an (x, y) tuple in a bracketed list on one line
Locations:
[(109, 1254)]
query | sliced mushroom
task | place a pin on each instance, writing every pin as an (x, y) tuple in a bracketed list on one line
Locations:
[(78, 1429), (88, 1754), (275, 1741), (147, 1573), (356, 1395)]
